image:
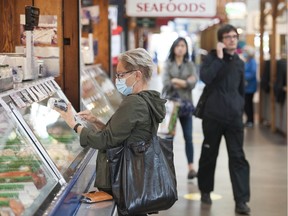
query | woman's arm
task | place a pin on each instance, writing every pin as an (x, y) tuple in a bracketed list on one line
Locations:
[(188, 82)]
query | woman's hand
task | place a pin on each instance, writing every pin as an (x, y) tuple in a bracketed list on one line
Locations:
[(68, 116), (88, 116)]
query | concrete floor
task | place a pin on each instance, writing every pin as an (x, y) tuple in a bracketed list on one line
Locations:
[(267, 155)]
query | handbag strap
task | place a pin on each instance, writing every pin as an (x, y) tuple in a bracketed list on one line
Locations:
[(154, 130), (154, 139)]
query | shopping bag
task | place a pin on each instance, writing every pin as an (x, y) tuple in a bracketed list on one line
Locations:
[(143, 176), (168, 125), (199, 109), (186, 108)]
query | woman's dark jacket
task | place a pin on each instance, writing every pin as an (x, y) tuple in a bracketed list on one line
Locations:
[(131, 122)]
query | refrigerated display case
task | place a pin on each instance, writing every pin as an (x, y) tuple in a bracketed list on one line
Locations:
[(49, 130), (39, 154), (26, 179), (98, 93)]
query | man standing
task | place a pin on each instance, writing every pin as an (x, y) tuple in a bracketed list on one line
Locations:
[(224, 70)]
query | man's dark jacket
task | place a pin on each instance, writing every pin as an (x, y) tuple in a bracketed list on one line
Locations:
[(226, 101)]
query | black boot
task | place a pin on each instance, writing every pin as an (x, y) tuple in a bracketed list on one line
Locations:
[(205, 198), (242, 208)]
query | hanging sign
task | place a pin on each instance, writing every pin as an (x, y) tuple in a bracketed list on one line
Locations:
[(171, 8)]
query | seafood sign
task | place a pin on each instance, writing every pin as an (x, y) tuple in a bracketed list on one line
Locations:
[(168, 8)]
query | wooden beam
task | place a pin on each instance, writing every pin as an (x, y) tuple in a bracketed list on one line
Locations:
[(261, 58), (71, 50), (101, 31), (282, 10), (273, 67), (7, 20)]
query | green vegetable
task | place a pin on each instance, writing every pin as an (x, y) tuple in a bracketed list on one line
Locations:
[(9, 195), (11, 187), (4, 203), (16, 179)]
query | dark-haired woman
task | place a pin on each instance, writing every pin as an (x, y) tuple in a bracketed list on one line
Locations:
[(179, 79)]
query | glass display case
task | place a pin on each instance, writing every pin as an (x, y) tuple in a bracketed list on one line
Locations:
[(41, 157), (43, 168), (60, 142), (25, 177), (98, 93)]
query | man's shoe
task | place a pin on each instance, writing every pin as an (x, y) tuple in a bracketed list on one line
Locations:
[(242, 208), (249, 124), (192, 174), (206, 199)]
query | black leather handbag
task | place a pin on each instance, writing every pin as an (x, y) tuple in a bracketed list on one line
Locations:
[(143, 176), (199, 109)]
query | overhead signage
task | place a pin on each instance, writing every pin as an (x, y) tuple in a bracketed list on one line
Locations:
[(171, 8)]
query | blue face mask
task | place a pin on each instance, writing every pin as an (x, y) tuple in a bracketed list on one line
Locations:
[(123, 88)]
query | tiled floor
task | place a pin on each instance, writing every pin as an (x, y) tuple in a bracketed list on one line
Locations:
[(267, 155)]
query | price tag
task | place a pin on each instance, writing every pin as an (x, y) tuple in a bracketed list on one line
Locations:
[(18, 101), (26, 95), (31, 94), (42, 90), (55, 85), (50, 83), (48, 88), (39, 95)]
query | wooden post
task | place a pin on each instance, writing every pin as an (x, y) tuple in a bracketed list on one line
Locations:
[(101, 34), (273, 64), (71, 47), (7, 20), (261, 60)]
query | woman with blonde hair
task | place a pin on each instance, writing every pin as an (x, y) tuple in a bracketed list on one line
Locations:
[(131, 122)]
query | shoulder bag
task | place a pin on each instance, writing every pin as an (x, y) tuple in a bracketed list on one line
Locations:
[(143, 175)]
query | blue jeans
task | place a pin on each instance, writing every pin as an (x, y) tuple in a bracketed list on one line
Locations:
[(186, 124)]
